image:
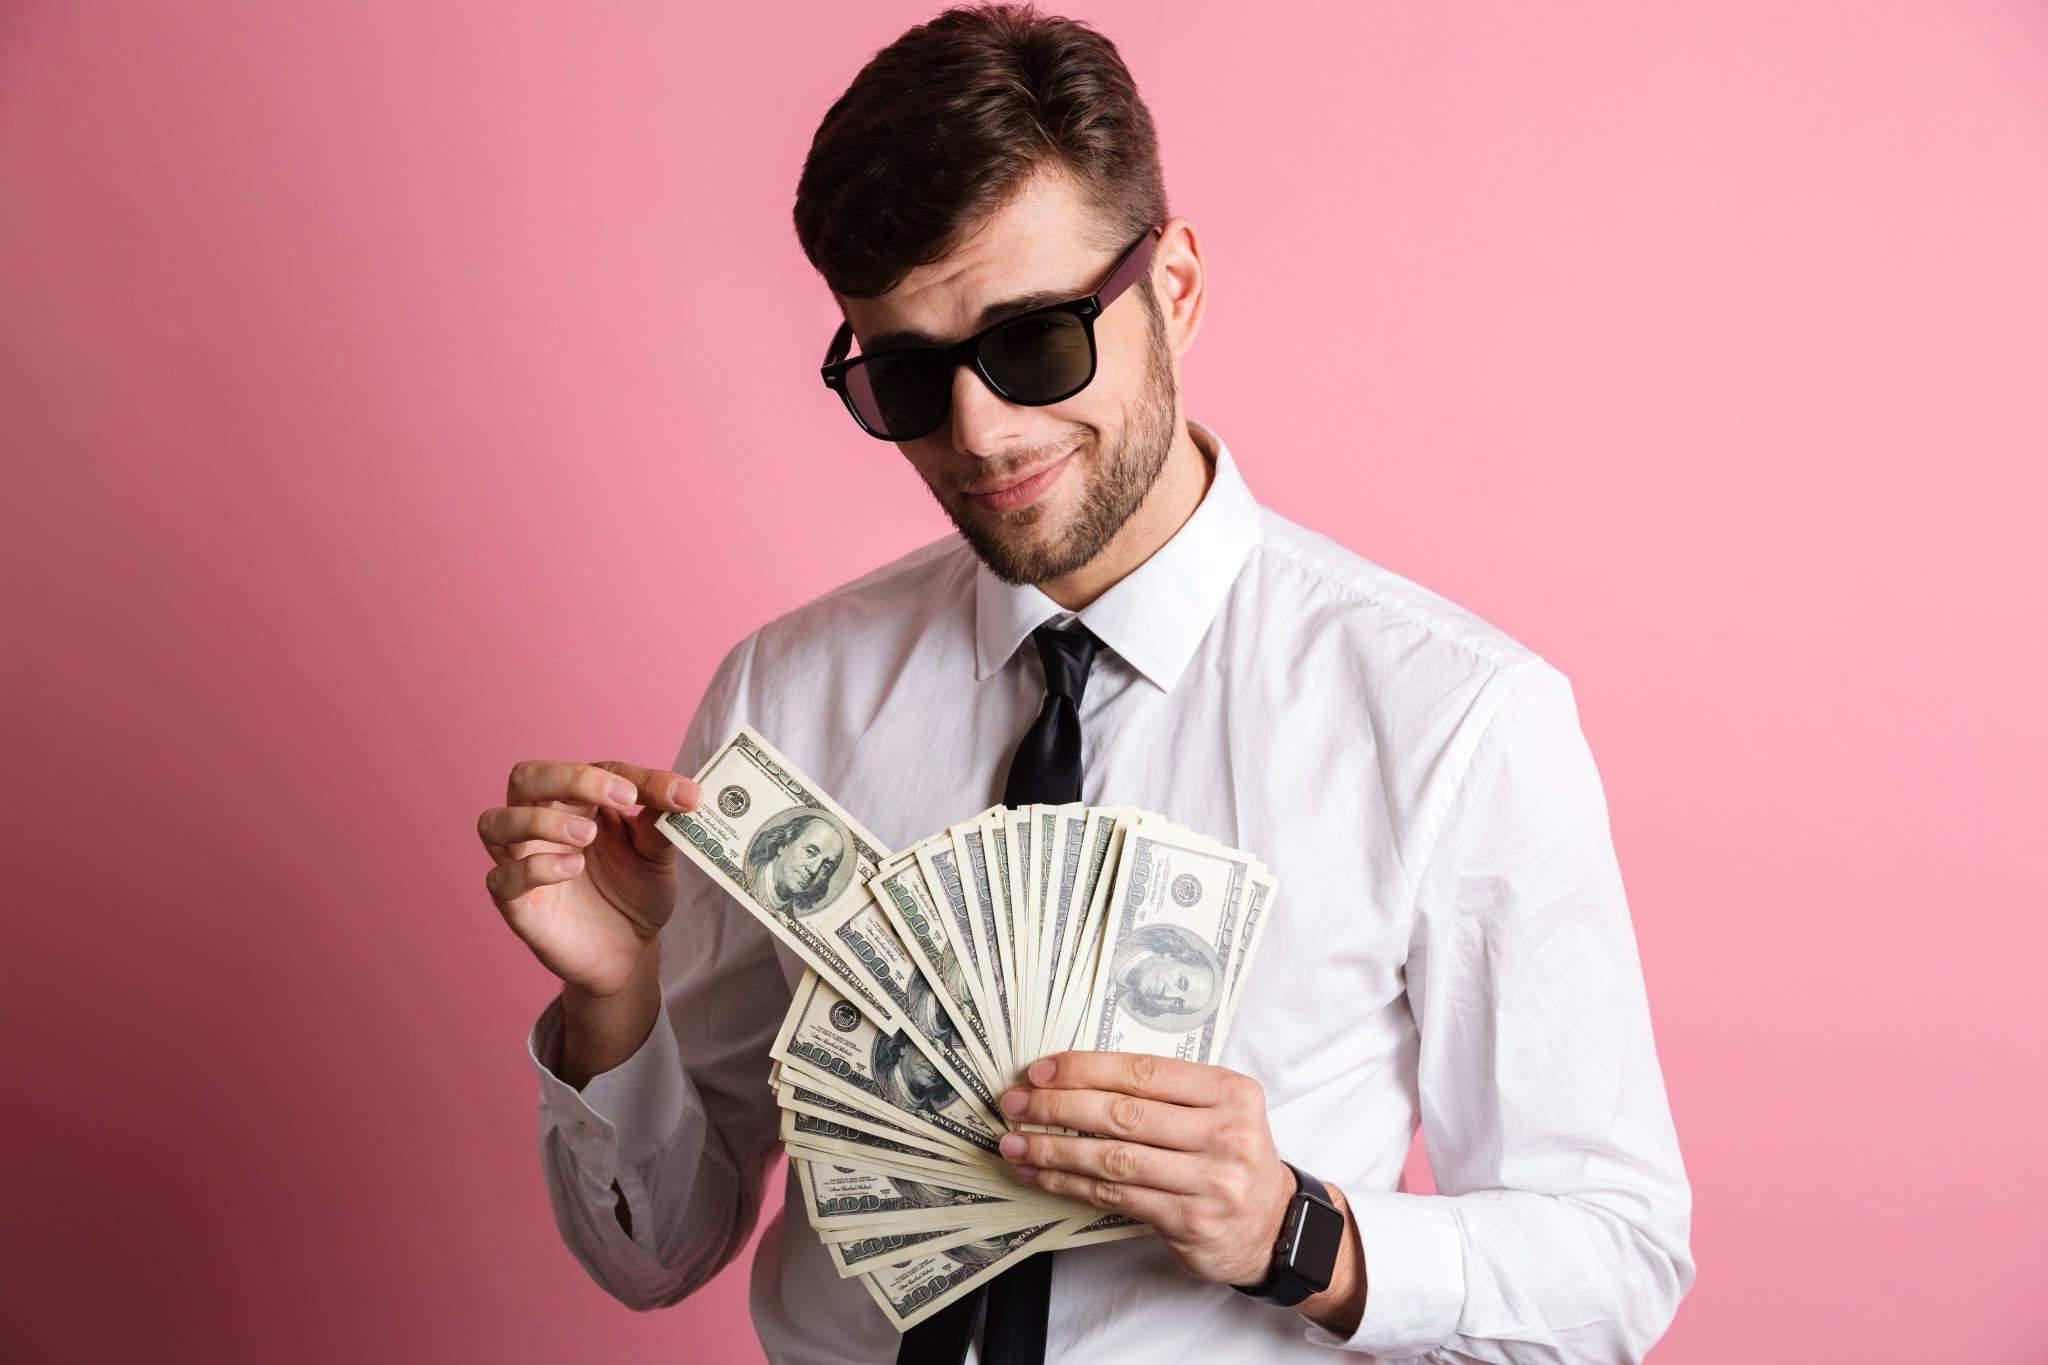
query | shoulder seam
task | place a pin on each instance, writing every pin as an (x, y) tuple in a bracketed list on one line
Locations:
[(1308, 562), (1504, 686)]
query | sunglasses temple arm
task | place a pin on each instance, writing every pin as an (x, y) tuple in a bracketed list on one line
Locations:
[(842, 341), (1129, 268)]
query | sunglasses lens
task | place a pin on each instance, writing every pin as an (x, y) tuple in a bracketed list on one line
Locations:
[(1039, 358), (901, 396)]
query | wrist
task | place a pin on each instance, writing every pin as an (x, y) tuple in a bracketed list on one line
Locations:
[(1276, 1205), (1337, 1310), (601, 1030), (1303, 1256), (642, 972)]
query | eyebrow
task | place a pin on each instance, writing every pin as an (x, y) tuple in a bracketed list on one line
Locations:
[(990, 316)]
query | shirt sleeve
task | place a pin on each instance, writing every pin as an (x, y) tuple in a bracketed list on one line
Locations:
[(1560, 1229), (682, 1130)]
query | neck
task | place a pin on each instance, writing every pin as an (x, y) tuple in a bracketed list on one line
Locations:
[(1175, 494)]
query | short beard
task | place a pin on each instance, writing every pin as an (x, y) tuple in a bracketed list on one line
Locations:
[(1125, 475)]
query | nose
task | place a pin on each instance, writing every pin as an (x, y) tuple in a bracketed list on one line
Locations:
[(984, 423)]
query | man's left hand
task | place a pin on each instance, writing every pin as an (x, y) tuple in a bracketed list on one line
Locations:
[(1182, 1146)]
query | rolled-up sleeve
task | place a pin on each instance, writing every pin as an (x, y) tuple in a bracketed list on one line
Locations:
[(682, 1130), (1560, 1230)]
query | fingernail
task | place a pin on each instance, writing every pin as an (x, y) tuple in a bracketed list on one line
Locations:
[(572, 863), (1013, 1146), (1041, 1070), (1028, 1172), (1014, 1102), (684, 795), (581, 831), (621, 792)]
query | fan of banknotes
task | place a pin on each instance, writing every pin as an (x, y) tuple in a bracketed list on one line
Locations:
[(937, 975)]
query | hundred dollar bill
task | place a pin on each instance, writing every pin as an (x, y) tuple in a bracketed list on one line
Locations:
[(1087, 951), (1265, 886), (1072, 972), (823, 1139), (852, 1257), (1042, 869), (975, 855), (880, 1069), (801, 1099), (879, 1185), (1111, 1227), (1167, 946), (939, 864), (843, 1197), (1010, 1214), (782, 848), (1065, 864), (870, 946), (1017, 828), (824, 1153), (911, 1290), (1004, 875), (899, 888), (820, 1124), (946, 876), (863, 1253)]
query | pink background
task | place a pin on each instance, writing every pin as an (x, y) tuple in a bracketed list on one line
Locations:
[(390, 392)]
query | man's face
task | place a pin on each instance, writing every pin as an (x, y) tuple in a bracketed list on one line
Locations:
[(1037, 492), (1169, 986), (808, 859)]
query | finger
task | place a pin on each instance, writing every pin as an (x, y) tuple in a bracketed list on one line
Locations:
[(501, 827), (588, 785), (1152, 1078), (1162, 1210), (509, 881), (1111, 1160), (614, 785), (1109, 1113), (648, 840), (658, 786)]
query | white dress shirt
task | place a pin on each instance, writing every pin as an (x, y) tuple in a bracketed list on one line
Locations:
[(1450, 946)]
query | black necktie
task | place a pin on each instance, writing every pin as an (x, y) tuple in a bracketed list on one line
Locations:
[(1047, 766), (1046, 770)]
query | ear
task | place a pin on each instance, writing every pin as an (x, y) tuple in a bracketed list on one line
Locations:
[(1179, 283)]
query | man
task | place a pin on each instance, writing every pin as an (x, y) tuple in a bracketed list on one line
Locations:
[(986, 204)]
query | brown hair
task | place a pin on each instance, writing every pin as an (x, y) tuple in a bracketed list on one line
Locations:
[(943, 126)]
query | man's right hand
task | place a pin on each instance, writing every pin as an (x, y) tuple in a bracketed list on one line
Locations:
[(585, 880)]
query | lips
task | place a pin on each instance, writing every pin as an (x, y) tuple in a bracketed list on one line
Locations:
[(1024, 491)]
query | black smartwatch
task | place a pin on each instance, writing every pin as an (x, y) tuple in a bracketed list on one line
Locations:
[(1305, 1257)]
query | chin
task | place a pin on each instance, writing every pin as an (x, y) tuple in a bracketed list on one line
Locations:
[(1021, 554)]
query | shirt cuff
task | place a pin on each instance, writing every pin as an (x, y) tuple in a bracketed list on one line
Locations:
[(1414, 1274), (623, 1116)]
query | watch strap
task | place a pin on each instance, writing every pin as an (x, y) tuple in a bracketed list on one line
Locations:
[(1284, 1285)]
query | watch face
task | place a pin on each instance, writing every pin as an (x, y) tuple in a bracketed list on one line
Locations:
[(1316, 1243)]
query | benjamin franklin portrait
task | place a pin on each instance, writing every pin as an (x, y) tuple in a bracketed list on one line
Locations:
[(983, 1252), (1166, 978), (906, 1076), (916, 1194), (799, 861)]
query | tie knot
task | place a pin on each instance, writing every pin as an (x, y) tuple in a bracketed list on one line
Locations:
[(1067, 655)]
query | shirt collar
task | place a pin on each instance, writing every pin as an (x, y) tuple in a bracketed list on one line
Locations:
[(1156, 614)]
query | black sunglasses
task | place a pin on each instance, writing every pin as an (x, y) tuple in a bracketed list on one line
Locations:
[(1033, 359)]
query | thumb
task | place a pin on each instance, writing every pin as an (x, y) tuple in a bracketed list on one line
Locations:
[(648, 840)]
